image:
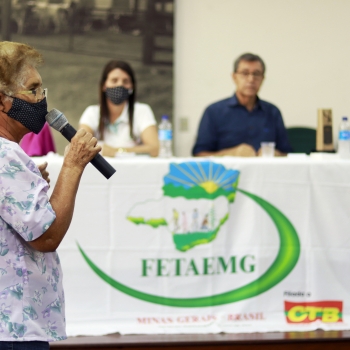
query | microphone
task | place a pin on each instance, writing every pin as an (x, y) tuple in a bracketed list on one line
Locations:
[(59, 122)]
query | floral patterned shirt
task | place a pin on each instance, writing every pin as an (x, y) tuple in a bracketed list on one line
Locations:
[(31, 293)]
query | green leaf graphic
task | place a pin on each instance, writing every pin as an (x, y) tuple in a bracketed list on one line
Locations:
[(151, 222)]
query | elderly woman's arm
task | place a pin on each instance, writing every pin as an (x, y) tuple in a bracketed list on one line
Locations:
[(82, 149), (150, 144)]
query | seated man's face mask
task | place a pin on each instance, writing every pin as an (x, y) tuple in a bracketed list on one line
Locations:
[(31, 115)]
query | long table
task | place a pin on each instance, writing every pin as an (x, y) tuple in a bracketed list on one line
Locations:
[(189, 245)]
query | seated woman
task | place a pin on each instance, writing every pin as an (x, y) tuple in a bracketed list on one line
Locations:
[(123, 124)]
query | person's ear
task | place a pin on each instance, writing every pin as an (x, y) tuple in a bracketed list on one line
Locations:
[(1, 98), (5, 103), (2, 102)]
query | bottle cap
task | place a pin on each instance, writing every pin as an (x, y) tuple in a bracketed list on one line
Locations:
[(165, 116), (344, 118)]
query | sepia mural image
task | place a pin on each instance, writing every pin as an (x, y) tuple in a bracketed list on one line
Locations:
[(78, 37)]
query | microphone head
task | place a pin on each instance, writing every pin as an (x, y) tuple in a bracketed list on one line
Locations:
[(56, 119)]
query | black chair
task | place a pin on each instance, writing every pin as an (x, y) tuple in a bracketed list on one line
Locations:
[(302, 139)]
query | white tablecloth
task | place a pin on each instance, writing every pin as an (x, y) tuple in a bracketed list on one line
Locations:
[(179, 246)]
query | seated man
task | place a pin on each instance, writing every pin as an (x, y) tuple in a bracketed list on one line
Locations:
[(237, 125)]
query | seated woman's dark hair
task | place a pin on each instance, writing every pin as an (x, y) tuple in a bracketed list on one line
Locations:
[(104, 113)]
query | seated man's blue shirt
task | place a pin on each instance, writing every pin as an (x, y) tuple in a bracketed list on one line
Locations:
[(227, 124)]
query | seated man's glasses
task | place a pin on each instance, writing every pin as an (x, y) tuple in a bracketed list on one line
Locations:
[(255, 75)]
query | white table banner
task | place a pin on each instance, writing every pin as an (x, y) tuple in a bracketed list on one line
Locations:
[(208, 246)]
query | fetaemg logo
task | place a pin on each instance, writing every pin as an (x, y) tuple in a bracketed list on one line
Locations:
[(195, 205), (328, 311)]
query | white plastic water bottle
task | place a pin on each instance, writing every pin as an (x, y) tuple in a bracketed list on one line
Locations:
[(344, 139), (165, 136)]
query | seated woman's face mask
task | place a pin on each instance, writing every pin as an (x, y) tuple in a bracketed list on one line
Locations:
[(118, 94), (31, 115)]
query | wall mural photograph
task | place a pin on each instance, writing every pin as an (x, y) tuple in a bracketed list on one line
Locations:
[(78, 37)]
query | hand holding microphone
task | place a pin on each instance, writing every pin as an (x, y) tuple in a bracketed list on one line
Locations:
[(59, 122)]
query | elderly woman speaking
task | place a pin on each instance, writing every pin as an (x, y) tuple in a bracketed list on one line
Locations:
[(32, 225)]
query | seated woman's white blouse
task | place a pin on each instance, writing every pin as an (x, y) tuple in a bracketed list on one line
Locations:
[(118, 133)]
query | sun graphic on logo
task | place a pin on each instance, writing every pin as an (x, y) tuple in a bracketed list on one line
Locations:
[(195, 180), (210, 186)]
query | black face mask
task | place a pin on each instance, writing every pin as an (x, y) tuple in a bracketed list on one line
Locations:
[(31, 115), (118, 94)]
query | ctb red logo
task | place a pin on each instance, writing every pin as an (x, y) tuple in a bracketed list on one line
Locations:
[(328, 311)]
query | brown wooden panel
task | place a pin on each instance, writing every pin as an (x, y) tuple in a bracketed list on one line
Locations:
[(246, 341), (276, 346)]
